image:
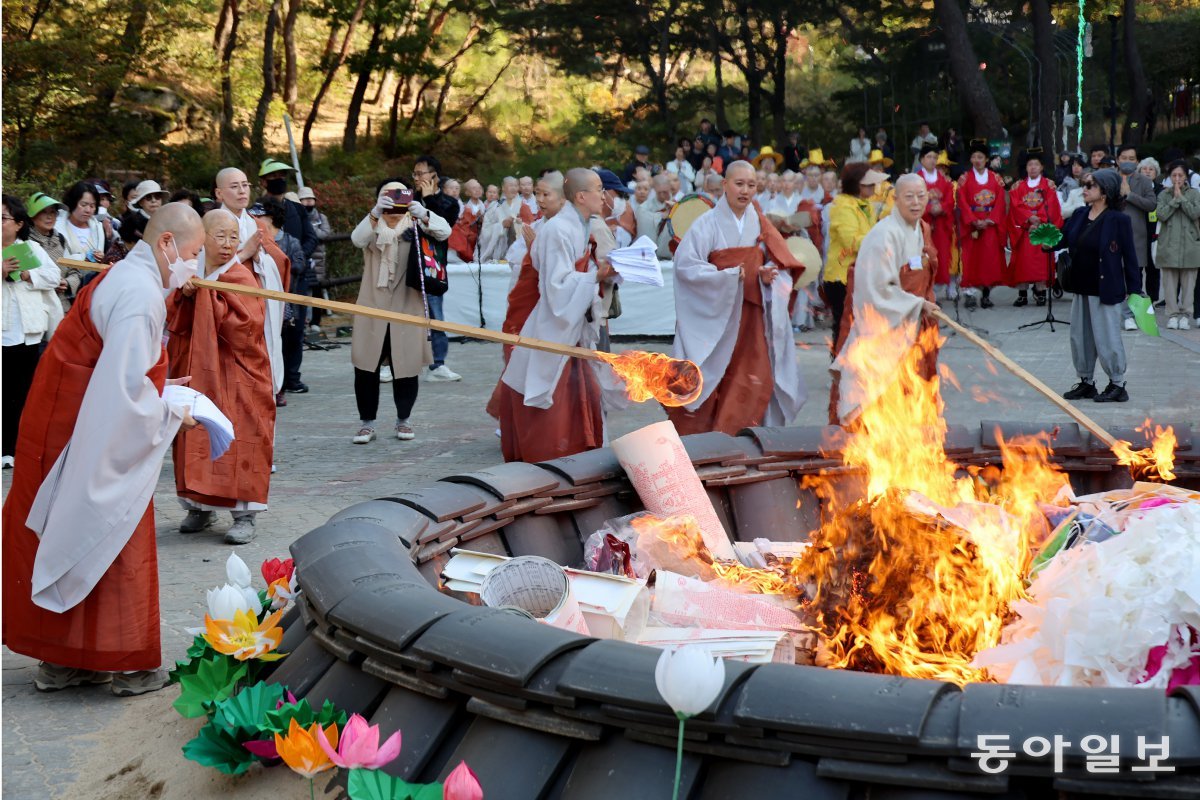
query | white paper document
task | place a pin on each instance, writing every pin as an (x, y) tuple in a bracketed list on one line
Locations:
[(205, 411), (637, 263)]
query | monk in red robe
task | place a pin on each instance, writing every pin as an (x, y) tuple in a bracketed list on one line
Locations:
[(80, 569), (550, 405), (1032, 202), (733, 280), (983, 229), (939, 214), (217, 338)]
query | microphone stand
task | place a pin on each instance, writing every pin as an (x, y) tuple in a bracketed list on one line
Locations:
[(1050, 318)]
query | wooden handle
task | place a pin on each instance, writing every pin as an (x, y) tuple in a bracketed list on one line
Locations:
[(1025, 375), (377, 313)]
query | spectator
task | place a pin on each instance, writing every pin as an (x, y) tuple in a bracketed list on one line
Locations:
[(316, 263), (682, 170), (127, 189), (384, 235), (718, 162), (850, 219), (273, 175), (641, 158), (706, 169), (31, 312), (956, 151), (1138, 193), (729, 150), (924, 136), (708, 134), (1179, 245), (83, 234), (144, 200), (1096, 156), (1104, 270), (189, 197), (426, 172), (43, 214), (1062, 170), (860, 148), (1151, 169), (105, 212), (697, 152), (883, 145), (793, 154), (295, 316)]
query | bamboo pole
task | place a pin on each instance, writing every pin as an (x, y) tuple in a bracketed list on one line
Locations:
[(454, 328), (1025, 375)]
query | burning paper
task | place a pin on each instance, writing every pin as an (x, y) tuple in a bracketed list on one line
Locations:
[(660, 470), (1155, 461), (656, 376), (690, 602), (536, 585)]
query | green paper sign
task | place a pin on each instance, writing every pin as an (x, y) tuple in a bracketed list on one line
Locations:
[(24, 255), (1143, 313)]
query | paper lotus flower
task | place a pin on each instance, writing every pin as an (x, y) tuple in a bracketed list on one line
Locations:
[(359, 747), (1045, 235), (273, 569), (461, 784), (238, 575), (300, 750), (689, 679), (225, 601), (244, 637)]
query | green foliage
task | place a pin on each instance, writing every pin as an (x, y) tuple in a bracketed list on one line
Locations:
[(215, 678), (197, 652), (278, 720), (245, 713), (371, 784), (215, 746)]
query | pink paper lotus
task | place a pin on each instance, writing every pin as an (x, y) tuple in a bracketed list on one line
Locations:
[(461, 784), (359, 746)]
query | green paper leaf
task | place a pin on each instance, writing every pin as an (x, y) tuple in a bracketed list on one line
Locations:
[(196, 652), (215, 747), (245, 714), (278, 720), (1045, 235), (199, 648), (372, 784), (214, 680)]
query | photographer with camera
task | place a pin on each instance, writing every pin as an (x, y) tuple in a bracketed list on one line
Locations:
[(427, 183), (391, 249)]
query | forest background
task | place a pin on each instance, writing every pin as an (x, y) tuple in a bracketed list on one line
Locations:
[(174, 89)]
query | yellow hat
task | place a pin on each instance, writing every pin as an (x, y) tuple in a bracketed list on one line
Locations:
[(766, 152), (877, 157), (816, 158), (944, 160)]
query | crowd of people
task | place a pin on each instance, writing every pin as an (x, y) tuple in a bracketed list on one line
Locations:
[(98, 347)]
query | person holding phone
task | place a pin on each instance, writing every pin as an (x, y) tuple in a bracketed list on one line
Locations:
[(427, 183), (385, 236)]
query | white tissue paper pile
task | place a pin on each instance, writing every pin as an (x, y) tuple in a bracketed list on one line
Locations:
[(1097, 610)]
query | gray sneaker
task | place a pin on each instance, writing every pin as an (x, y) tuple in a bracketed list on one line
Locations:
[(52, 677), (242, 530), (131, 684), (196, 521)]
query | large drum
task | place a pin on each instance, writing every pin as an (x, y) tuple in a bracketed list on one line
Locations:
[(689, 209), (807, 254)]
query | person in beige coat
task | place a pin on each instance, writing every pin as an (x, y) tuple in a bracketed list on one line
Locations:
[(385, 237)]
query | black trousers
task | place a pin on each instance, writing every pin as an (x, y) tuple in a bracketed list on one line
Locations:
[(292, 339), (835, 296), (366, 388), (20, 362)]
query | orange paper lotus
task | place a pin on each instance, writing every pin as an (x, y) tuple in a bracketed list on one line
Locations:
[(244, 637), (657, 376), (1156, 462), (301, 751)]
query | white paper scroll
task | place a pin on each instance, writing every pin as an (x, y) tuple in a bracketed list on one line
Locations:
[(536, 585), (662, 473)]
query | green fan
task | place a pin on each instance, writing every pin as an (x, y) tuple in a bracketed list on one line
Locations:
[(1045, 235)]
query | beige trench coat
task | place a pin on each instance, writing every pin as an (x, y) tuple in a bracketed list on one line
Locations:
[(409, 344)]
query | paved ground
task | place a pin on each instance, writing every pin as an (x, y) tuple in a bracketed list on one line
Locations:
[(53, 743)]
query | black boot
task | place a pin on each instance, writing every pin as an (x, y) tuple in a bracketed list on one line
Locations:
[(1022, 299), (986, 302), (1039, 297)]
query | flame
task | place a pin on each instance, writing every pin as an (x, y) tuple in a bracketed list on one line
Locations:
[(1156, 462), (670, 381)]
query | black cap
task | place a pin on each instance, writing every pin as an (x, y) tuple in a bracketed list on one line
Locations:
[(642, 150), (928, 148)]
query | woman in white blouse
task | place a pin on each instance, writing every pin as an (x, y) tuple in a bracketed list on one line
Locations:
[(31, 312), (681, 167), (860, 147)]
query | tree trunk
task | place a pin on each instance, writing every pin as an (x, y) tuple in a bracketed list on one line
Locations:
[(225, 43), (442, 95), (779, 81), (350, 135), (754, 77), (1043, 49), (291, 70), (719, 98), (258, 128), (973, 90), (331, 69), (1138, 118), (125, 53)]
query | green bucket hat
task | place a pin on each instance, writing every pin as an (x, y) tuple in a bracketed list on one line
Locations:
[(270, 165), (39, 202)]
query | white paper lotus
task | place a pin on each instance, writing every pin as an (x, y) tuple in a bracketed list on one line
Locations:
[(689, 679), (225, 601)]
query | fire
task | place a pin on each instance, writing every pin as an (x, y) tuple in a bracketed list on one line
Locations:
[(657, 376), (1156, 462)]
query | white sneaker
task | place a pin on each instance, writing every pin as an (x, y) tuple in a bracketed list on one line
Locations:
[(8, 462), (442, 374), (405, 433), (385, 374), (1173, 323), (1183, 324), (364, 436), (1130, 325)]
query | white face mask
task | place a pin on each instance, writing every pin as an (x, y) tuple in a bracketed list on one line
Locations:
[(618, 206), (181, 270)]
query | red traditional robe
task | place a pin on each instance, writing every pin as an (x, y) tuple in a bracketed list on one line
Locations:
[(919, 282), (941, 198), (741, 399), (465, 234), (217, 339), (526, 215), (1031, 264), (982, 250), (574, 422), (116, 627)]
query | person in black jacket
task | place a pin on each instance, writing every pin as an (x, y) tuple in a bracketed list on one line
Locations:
[(274, 178), (1104, 272), (427, 183)]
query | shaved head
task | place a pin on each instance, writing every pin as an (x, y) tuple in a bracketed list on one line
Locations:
[(549, 193), (737, 166), (174, 231), (585, 189), (221, 238), (232, 189), (912, 196)]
